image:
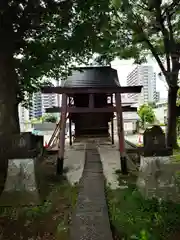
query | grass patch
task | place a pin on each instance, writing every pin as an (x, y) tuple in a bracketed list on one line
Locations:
[(47, 221), (133, 217), (139, 144), (176, 155)]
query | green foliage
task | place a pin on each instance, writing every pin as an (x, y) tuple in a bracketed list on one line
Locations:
[(49, 118), (45, 118), (162, 124), (133, 217), (48, 37), (178, 118), (37, 211), (146, 114), (178, 98), (36, 120), (139, 28)]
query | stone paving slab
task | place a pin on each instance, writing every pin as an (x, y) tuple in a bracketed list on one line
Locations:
[(90, 220), (74, 161), (110, 157)]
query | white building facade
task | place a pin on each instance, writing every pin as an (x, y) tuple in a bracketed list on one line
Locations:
[(161, 111), (23, 118), (40, 102), (145, 76)]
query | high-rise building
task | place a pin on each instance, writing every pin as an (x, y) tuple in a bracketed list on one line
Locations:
[(48, 101), (157, 97), (145, 76), (40, 102), (23, 117), (36, 108)]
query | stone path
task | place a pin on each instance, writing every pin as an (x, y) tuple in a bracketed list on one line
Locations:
[(110, 157), (90, 219), (74, 161)]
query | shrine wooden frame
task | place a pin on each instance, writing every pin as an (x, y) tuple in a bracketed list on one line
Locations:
[(119, 109)]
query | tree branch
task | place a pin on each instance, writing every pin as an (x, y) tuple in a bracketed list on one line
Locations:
[(165, 35), (152, 49), (140, 30), (171, 8)]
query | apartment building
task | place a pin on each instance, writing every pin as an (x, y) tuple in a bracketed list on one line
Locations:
[(23, 118), (145, 76)]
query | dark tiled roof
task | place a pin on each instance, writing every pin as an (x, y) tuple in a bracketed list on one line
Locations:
[(93, 77)]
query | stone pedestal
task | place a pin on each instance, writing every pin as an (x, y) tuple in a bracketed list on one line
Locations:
[(21, 186), (159, 178)]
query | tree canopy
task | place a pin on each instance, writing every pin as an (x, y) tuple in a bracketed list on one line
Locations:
[(138, 28), (146, 114), (148, 27), (47, 37), (43, 38)]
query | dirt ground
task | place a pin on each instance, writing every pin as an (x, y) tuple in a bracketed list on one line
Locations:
[(48, 221)]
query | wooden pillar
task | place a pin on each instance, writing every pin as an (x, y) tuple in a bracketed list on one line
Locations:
[(112, 123), (91, 100), (70, 125), (120, 128), (60, 159)]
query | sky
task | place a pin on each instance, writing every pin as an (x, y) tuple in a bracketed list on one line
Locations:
[(124, 67)]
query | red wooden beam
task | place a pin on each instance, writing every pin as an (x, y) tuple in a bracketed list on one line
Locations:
[(91, 110), (60, 159), (83, 90), (120, 128)]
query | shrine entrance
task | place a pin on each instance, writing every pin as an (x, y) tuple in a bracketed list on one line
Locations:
[(85, 99), (91, 124)]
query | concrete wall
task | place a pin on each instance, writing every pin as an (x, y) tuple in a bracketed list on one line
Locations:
[(44, 126), (160, 114), (129, 125), (46, 130)]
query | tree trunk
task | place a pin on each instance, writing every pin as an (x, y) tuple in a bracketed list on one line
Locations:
[(17, 122), (9, 120), (171, 138)]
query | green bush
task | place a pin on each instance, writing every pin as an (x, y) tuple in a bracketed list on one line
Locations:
[(133, 217), (162, 124), (49, 118)]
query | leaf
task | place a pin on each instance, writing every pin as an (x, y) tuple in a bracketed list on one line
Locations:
[(51, 36), (146, 114), (116, 3)]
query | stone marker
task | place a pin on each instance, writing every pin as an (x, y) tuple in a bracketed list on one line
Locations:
[(22, 171), (21, 145), (154, 142), (160, 180), (157, 173)]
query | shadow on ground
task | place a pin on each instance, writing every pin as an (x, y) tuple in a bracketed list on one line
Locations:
[(51, 219)]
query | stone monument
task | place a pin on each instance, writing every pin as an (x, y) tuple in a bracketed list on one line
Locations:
[(19, 185), (154, 142), (157, 175)]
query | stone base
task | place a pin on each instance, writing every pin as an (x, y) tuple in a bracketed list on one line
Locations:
[(21, 184), (159, 178)]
